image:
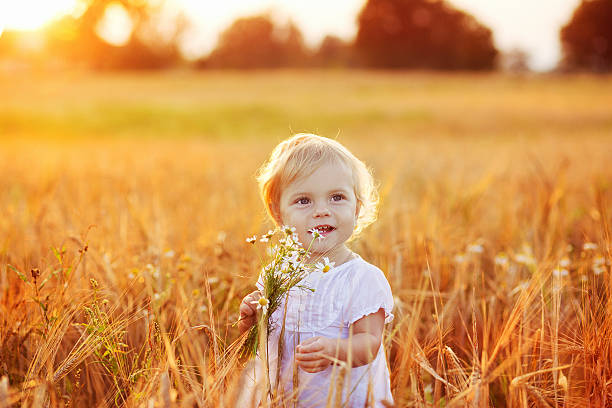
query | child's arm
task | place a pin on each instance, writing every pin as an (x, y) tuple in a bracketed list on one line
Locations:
[(317, 353), (248, 311)]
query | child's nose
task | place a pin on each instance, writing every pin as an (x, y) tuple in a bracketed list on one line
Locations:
[(321, 211)]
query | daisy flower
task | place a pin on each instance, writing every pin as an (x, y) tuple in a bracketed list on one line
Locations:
[(262, 304), (266, 237), (501, 259), (316, 234), (525, 259), (475, 248), (290, 261), (598, 270), (325, 266), (288, 230), (460, 258), (560, 272), (252, 240)]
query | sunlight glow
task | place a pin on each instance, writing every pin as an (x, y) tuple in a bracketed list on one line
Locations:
[(116, 25), (531, 26), (34, 14)]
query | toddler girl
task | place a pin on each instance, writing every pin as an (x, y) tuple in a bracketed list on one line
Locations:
[(332, 340)]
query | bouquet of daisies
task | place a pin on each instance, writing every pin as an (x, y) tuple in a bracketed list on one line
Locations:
[(284, 271)]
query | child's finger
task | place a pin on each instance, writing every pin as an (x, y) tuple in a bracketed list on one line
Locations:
[(311, 349), (308, 356), (309, 341), (246, 309), (309, 364), (311, 345), (252, 298), (308, 350), (312, 367), (246, 306)]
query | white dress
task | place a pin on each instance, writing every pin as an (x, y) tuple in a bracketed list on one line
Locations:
[(341, 296)]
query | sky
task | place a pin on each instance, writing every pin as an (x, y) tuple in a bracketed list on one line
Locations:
[(531, 25)]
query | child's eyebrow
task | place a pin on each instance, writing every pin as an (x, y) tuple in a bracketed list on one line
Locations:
[(299, 193), (339, 190), (332, 191)]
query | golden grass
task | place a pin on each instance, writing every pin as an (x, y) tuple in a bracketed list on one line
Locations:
[(123, 261)]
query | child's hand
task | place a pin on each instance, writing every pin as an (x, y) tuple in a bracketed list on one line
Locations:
[(315, 354), (248, 311)]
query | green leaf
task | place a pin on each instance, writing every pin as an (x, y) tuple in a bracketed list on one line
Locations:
[(57, 253), (46, 280), (41, 304), (67, 385), (21, 275)]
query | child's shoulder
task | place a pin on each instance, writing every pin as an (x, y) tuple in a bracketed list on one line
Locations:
[(368, 291), (362, 271), (360, 264)]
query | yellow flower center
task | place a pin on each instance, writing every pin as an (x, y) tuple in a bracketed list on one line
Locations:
[(326, 268), (263, 301)]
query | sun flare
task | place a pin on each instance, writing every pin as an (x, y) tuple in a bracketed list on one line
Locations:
[(33, 14)]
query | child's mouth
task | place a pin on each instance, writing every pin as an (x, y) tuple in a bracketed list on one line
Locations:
[(324, 229)]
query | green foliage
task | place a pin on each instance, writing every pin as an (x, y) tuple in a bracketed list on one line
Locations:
[(255, 42), (21, 275), (587, 37), (422, 34)]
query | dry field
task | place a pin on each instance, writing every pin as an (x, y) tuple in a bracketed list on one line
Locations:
[(126, 200)]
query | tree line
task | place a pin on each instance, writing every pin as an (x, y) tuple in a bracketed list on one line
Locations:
[(392, 34)]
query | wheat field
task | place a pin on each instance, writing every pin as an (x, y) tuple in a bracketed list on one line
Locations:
[(126, 200)]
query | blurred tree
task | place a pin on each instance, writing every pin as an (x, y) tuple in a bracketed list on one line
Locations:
[(515, 61), (334, 52), (255, 42), (587, 37), (422, 34), (294, 50)]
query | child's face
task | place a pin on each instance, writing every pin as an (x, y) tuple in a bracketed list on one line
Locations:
[(324, 200)]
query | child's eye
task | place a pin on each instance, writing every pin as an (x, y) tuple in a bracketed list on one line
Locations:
[(337, 197), (302, 201)]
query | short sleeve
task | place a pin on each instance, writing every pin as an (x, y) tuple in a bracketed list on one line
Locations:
[(369, 292)]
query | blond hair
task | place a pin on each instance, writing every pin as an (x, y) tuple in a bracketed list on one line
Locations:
[(299, 156)]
